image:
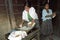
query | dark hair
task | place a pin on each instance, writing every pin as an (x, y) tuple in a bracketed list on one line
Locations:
[(27, 3), (46, 3)]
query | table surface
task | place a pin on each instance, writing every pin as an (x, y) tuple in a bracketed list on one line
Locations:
[(27, 29)]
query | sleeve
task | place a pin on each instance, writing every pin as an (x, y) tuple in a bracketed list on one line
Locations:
[(43, 14), (33, 13), (50, 11), (23, 15)]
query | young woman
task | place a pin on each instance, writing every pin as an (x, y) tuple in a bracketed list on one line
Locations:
[(47, 28), (29, 15)]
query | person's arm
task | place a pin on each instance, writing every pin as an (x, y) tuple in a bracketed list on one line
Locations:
[(54, 15), (33, 15), (50, 13), (43, 14), (32, 21), (23, 17), (22, 22), (48, 16)]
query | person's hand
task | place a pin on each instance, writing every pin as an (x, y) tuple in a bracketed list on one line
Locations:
[(20, 25), (54, 15), (30, 24)]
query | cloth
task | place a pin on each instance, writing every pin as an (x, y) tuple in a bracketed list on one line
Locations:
[(45, 13), (47, 28), (32, 13), (29, 17), (17, 35)]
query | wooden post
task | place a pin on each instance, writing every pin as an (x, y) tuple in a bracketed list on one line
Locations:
[(11, 13)]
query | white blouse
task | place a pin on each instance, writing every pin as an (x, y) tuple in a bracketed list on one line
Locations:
[(32, 13), (44, 13)]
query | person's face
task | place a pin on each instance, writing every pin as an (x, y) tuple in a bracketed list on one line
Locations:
[(47, 6), (26, 8)]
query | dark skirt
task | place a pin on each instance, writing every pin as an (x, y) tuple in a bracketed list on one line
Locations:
[(46, 27)]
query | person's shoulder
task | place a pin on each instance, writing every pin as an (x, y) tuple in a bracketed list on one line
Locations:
[(24, 11), (32, 8), (50, 9), (44, 10)]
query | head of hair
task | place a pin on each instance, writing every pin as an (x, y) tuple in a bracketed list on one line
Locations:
[(27, 3), (46, 4)]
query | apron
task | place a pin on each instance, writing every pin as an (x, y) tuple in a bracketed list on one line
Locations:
[(36, 21), (29, 17)]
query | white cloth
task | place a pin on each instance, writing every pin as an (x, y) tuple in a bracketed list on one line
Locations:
[(13, 35), (32, 13)]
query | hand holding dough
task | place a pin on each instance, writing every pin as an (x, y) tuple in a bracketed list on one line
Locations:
[(30, 24), (20, 25)]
